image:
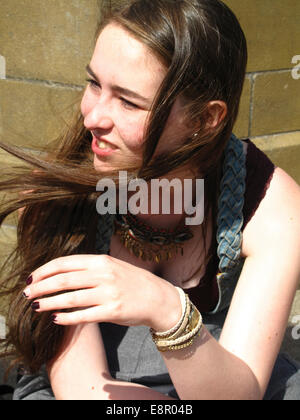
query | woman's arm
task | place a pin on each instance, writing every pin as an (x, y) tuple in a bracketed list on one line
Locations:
[(80, 371), (240, 365), (81, 364)]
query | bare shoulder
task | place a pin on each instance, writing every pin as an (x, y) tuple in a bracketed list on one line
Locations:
[(278, 215)]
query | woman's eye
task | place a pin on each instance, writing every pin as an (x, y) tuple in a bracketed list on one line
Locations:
[(93, 83), (127, 104)]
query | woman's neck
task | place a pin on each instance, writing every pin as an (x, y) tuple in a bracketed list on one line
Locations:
[(168, 199), (161, 221)]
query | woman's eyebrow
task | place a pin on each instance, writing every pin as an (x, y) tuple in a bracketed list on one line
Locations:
[(119, 89)]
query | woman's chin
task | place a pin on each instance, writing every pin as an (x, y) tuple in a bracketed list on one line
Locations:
[(102, 165)]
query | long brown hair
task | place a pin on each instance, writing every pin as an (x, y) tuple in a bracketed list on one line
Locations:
[(204, 50)]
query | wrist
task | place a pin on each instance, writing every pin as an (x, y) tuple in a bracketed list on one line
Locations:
[(184, 332), (169, 311)]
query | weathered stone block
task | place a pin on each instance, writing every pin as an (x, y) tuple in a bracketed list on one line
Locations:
[(272, 30), (32, 114), (276, 103), (48, 40), (7, 241), (284, 151), (241, 128)]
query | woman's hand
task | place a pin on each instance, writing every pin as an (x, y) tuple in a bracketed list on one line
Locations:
[(100, 288)]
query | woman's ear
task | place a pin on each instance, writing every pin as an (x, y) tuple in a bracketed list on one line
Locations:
[(215, 113)]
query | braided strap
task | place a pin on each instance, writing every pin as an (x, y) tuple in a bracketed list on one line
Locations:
[(105, 230), (230, 206)]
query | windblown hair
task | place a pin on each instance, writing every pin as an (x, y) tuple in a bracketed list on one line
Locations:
[(203, 48)]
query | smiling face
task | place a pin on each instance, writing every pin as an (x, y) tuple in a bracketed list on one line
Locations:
[(124, 78)]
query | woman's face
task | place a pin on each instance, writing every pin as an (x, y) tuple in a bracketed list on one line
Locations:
[(124, 78)]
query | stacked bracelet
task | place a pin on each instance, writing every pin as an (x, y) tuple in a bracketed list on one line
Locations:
[(183, 300), (184, 332)]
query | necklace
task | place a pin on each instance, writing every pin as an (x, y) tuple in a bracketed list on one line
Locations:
[(150, 243)]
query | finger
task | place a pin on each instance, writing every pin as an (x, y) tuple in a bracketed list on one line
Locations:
[(66, 264), (58, 283), (84, 316), (71, 300)]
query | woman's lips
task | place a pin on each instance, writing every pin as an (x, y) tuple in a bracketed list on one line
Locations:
[(102, 148)]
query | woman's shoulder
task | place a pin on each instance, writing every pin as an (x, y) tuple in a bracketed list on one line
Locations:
[(276, 218), (259, 173)]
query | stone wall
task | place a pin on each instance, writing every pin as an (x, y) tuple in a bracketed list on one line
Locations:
[(271, 100), (45, 46)]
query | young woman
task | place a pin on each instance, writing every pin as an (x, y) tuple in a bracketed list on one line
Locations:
[(145, 306)]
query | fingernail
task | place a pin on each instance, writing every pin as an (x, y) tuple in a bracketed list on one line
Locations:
[(29, 280), (26, 294), (35, 306), (54, 318)]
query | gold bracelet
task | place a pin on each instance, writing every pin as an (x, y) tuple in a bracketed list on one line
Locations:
[(193, 327), (186, 333), (184, 303), (181, 333), (179, 346), (184, 323), (181, 330)]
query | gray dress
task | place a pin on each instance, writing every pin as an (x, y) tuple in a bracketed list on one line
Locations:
[(132, 356)]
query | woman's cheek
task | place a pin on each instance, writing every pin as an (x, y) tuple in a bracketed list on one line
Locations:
[(133, 134)]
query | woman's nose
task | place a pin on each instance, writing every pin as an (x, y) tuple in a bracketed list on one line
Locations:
[(98, 117)]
